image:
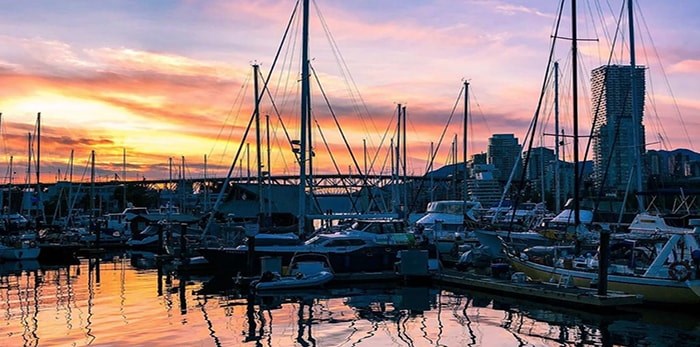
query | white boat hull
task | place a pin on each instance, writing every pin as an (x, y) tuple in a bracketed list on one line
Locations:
[(292, 282)]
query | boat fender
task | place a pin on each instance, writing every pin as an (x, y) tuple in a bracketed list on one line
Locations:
[(32, 244), (679, 271)]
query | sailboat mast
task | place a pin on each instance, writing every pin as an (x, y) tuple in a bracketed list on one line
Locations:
[(574, 94), (305, 91), (38, 150), (9, 189), (29, 161), (92, 185), (258, 151), (206, 185), (464, 142), (557, 179), (124, 178), (398, 155), (430, 169), (636, 143), (403, 165), (394, 181), (269, 166)]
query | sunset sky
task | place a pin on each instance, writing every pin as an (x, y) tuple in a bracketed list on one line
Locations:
[(173, 79)]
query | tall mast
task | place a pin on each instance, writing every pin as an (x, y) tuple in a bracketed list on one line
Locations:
[(92, 185), (430, 169), (70, 203), (364, 156), (181, 184), (206, 186), (394, 180), (269, 166), (40, 200), (397, 166), (574, 94), (464, 142), (9, 195), (636, 143), (305, 117), (403, 165), (124, 178), (557, 195), (258, 147), (29, 161), (170, 173)]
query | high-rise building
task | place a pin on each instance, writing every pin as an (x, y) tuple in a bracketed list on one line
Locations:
[(503, 152), (615, 150)]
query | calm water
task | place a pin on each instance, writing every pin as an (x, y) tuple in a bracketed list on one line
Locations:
[(131, 303)]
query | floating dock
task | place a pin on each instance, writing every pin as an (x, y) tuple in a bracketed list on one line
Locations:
[(550, 292)]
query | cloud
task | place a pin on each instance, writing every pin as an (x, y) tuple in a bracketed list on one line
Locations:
[(687, 66), (511, 9)]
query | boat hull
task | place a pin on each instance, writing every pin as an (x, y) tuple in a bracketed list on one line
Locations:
[(21, 253), (367, 259), (285, 283), (653, 289)]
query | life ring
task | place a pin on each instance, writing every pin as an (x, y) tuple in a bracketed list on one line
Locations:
[(32, 244), (679, 271)]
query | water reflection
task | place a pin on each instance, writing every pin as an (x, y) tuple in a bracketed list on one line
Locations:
[(122, 301)]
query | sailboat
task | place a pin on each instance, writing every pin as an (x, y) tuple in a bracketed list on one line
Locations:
[(369, 245), (659, 262)]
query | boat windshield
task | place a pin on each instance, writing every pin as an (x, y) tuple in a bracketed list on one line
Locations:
[(375, 227), (453, 207)]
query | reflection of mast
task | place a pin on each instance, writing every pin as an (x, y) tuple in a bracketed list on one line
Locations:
[(210, 325), (35, 320), (181, 290), (91, 296), (122, 285), (250, 314), (302, 323)]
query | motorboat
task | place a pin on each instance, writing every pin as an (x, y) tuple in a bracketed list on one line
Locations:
[(369, 245), (307, 270), (449, 215), (446, 223), (19, 250)]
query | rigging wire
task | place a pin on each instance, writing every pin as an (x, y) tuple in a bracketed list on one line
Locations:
[(347, 145), (437, 148), (530, 135), (355, 95), (668, 84), (237, 101)]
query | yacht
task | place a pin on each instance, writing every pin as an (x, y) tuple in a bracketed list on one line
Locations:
[(366, 246), (445, 226)]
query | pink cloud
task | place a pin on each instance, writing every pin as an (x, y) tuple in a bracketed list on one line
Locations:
[(686, 66)]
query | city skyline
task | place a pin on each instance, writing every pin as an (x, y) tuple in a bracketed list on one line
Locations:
[(161, 79)]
